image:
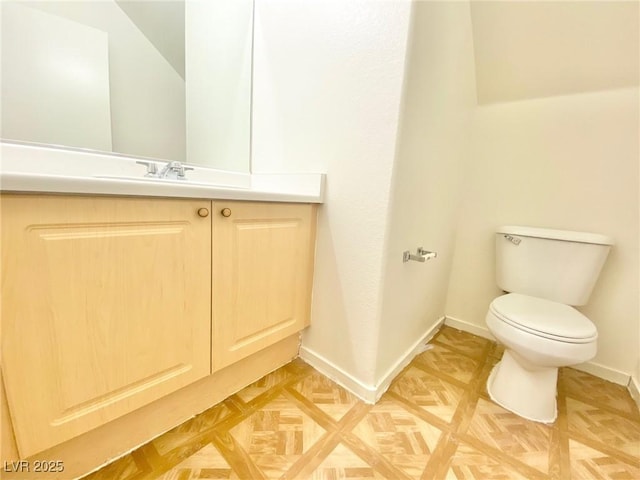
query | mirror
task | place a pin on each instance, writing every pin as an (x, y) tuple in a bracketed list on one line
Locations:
[(162, 79)]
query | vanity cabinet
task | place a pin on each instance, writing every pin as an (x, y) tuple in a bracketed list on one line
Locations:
[(106, 306), (112, 303), (262, 274)]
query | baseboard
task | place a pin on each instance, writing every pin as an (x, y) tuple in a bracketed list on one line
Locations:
[(601, 371), (406, 358), (634, 390), (465, 326), (606, 373), (367, 393)]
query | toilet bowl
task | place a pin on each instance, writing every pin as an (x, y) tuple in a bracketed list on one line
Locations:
[(539, 337), (544, 272)]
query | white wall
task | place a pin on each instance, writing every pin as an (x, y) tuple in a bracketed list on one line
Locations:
[(147, 94), (566, 162), (328, 86), (55, 80), (218, 90), (439, 100), (163, 23), (328, 78), (526, 49), (564, 156)]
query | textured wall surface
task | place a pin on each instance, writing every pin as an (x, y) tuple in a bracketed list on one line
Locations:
[(439, 99), (327, 93), (413, 161)]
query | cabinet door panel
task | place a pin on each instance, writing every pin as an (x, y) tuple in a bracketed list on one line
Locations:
[(105, 308), (263, 261)]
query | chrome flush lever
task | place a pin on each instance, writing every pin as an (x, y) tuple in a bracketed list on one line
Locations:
[(512, 239)]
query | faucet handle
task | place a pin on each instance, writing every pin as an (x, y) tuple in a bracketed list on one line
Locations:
[(152, 168), (182, 169)]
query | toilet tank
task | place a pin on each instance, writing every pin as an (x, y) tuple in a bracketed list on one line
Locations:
[(557, 265)]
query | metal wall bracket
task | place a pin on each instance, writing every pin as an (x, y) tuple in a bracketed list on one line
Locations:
[(421, 255)]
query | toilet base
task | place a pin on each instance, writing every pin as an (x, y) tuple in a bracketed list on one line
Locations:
[(523, 388)]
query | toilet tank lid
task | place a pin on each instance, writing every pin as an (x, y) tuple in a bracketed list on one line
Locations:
[(552, 234)]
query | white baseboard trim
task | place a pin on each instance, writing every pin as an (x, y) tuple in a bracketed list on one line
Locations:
[(371, 393), (606, 373), (368, 393), (406, 358), (465, 326), (634, 390)]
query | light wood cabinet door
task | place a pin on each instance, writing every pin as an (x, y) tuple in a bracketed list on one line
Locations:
[(262, 273), (105, 308)]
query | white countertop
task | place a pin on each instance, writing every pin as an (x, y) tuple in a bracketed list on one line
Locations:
[(27, 168)]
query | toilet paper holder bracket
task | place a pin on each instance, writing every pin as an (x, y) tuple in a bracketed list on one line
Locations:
[(420, 256)]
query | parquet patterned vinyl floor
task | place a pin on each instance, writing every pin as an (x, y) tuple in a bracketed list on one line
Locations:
[(435, 422)]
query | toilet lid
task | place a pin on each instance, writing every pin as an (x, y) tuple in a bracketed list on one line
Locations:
[(544, 318)]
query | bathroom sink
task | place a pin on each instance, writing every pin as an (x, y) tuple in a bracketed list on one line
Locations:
[(172, 181)]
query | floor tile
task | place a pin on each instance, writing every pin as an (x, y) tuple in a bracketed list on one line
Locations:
[(206, 463), (182, 436), (448, 363), (341, 464), (489, 364), (597, 391), (436, 420), (461, 342), (276, 435), (526, 441), (471, 464), (263, 385), (496, 350), (429, 392), (326, 395), (588, 463), (401, 437), (603, 427), (124, 468)]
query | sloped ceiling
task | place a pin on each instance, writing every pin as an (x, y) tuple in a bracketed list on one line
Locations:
[(529, 49), (162, 22)]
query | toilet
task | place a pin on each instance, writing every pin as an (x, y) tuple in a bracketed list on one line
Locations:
[(544, 273)]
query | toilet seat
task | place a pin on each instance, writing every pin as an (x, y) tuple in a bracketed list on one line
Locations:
[(544, 318)]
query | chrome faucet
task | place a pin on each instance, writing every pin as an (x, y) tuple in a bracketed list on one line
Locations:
[(174, 170), (170, 170)]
